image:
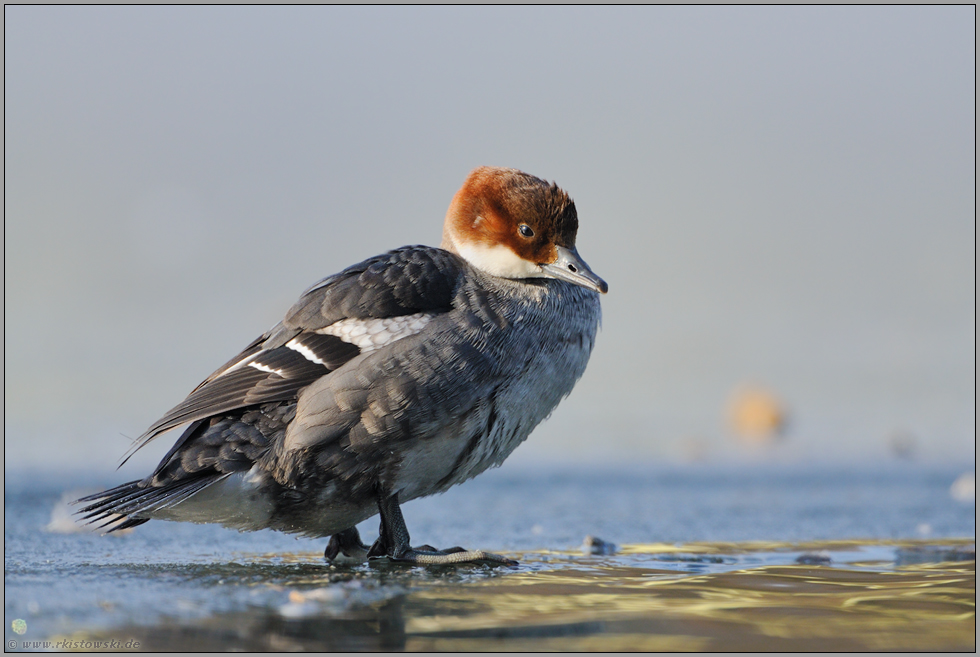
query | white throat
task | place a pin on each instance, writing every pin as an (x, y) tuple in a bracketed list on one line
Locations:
[(497, 260)]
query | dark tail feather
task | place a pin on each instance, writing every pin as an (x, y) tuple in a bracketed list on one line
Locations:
[(127, 523), (121, 506)]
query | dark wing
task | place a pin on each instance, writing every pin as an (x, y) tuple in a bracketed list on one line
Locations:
[(293, 354)]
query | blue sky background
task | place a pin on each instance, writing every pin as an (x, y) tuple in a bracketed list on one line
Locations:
[(780, 196)]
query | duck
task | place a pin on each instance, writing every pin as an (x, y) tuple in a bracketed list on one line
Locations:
[(395, 379)]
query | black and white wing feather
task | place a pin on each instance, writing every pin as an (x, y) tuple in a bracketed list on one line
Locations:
[(333, 322)]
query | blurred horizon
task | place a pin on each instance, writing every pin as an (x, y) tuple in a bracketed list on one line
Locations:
[(782, 200)]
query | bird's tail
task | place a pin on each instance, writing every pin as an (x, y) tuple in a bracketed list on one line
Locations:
[(132, 503)]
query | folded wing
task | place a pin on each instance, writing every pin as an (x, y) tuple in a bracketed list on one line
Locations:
[(362, 308)]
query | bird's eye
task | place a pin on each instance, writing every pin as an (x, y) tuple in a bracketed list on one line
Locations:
[(525, 230)]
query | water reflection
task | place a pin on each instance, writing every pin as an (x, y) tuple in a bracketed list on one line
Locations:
[(907, 595)]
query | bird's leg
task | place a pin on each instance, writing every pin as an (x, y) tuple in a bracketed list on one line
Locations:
[(347, 542), (395, 543)]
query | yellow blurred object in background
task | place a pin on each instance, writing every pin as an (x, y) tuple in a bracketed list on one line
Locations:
[(756, 415)]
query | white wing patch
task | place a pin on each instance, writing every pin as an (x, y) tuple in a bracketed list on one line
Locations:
[(307, 353), (265, 368), (371, 334), (240, 364)]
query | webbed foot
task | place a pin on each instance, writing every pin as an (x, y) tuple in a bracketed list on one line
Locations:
[(450, 556), (393, 543), (348, 543)]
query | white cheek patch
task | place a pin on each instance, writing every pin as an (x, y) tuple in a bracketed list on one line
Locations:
[(498, 260), (371, 334)]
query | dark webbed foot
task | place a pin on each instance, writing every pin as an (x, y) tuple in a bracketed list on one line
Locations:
[(348, 543), (451, 556), (394, 543)]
